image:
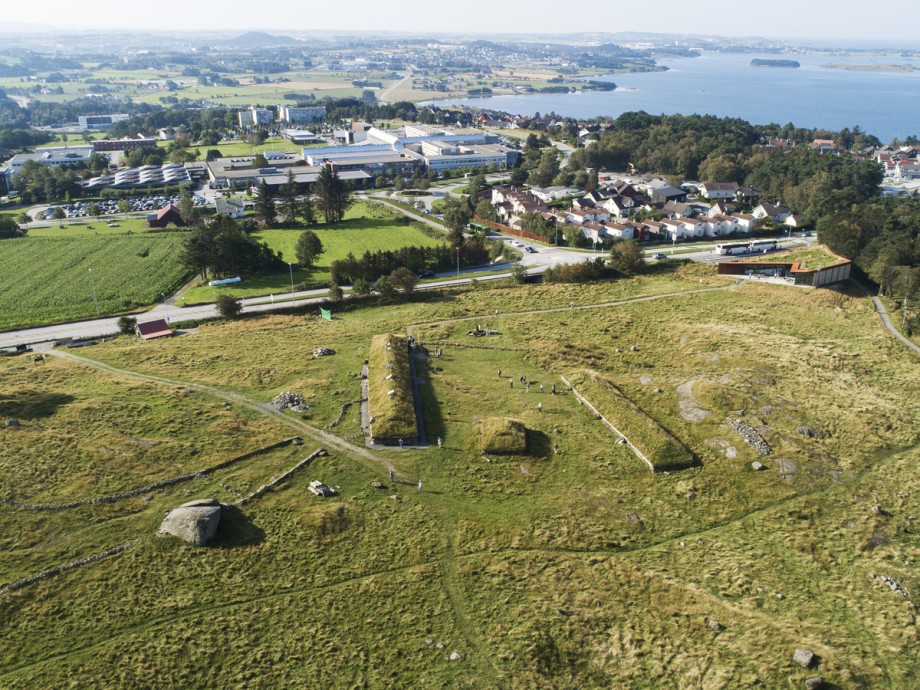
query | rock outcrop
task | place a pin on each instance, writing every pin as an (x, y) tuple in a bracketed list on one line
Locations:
[(195, 522)]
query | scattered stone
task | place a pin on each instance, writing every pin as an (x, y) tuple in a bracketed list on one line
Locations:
[(195, 522), (147, 498), (804, 657), (378, 484), (780, 596), (806, 431), (13, 423), (656, 390), (563, 612), (394, 497), (429, 642), (440, 645), (632, 517), (297, 441), (815, 683), (749, 435), (878, 510), (758, 466), (287, 399), (682, 544), (617, 350), (323, 352), (892, 584), (645, 380), (633, 348), (715, 625), (731, 452), (454, 656)]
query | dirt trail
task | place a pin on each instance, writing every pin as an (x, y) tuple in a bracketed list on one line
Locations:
[(371, 460)]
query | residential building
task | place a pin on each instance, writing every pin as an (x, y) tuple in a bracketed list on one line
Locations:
[(718, 190), (100, 122), (255, 116), (775, 212), (301, 115)]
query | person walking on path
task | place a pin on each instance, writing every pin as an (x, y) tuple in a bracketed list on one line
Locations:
[(419, 484), (499, 373), (539, 407), (511, 383), (391, 475), (541, 387), (440, 441)]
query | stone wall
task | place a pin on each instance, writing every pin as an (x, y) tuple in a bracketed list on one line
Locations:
[(163, 483)]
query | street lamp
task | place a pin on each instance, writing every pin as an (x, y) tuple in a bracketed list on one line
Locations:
[(163, 295), (291, 267), (93, 283), (458, 262)]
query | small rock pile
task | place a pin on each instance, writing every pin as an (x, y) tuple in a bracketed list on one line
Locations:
[(323, 352), (749, 435), (287, 399), (892, 584)]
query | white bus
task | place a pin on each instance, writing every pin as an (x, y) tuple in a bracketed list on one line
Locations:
[(732, 248), (763, 246)]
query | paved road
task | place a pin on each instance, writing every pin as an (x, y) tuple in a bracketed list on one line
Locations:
[(382, 98), (536, 263)]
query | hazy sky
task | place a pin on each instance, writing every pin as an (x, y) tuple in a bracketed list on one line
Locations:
[(896, 20)]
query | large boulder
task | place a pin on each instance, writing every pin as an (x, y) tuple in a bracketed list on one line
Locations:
[(195, 522)]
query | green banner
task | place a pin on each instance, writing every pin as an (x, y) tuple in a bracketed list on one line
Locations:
[(326, 313)]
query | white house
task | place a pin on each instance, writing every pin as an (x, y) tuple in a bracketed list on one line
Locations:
[(548, 194), (718, 190), (776, 212)]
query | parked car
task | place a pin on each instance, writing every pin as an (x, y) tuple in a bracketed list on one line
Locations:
[(658, 255), (426, 274)]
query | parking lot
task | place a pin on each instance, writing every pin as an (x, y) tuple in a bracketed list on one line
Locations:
[(108, 207)]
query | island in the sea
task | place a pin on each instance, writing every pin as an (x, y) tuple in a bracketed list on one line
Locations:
[(873, 68), (760, 62)]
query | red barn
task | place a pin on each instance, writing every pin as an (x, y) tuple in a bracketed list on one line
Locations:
[(166, 215), (153, 329)]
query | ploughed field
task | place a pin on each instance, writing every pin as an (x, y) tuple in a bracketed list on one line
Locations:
[(568, 565)]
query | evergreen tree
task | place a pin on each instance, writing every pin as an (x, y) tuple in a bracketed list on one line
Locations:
[(333, 195), (266, 211), (289, 203)]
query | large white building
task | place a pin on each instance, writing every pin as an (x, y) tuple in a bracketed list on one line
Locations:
[(255, 116), (301, 115), (100, 122)]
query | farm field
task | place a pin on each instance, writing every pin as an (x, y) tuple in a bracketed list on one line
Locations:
[(365, 228), (571, 565), (47, 279)]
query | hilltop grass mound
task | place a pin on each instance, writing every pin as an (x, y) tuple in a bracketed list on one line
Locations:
[(808, 258), (503, 435), (389, 391), (662, 450)]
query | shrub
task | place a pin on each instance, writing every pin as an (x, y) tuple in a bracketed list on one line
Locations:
[(127, 324), (228, 306)]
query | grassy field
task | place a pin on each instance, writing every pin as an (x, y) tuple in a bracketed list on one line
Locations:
[(810, 258), (365, 228), (48, 280), (572, 566)]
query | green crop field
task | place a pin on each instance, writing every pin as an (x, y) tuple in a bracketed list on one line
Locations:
[(572, 566), (48, 280), (365, 228)]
